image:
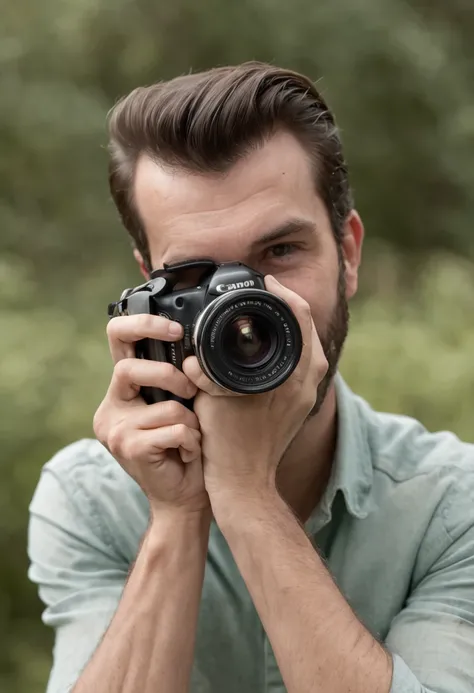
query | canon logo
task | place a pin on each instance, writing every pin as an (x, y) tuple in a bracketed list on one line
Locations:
[(222, 288)]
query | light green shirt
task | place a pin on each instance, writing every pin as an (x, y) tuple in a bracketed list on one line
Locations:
[(395, 525)]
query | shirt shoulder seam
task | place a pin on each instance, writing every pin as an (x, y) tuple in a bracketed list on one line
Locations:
[(446, 501), (84, 456)]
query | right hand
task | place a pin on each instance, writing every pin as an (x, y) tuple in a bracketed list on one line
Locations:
[(158, 445)]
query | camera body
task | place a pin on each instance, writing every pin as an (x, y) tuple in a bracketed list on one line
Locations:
[(246, 339)]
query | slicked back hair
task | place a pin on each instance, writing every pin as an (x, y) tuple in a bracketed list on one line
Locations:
[(206, 122)]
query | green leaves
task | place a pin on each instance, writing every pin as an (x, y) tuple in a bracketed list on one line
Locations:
[(410, 352), (399, 76)]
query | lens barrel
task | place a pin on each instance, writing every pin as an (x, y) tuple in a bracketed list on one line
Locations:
[(248, 341)]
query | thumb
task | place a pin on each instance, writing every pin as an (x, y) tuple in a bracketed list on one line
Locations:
[(196, 375)]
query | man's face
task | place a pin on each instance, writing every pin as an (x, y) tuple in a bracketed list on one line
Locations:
[(265, 213)]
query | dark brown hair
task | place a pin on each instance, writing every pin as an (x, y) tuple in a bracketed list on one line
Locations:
[(205, 122)]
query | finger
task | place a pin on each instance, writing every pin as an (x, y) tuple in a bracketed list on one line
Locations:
[(148, 446), (188, 456), (163, 414), (318, 357), (124, 330), (297, 304), (131, 374), (176, 436), (301, 310), (196, 375)]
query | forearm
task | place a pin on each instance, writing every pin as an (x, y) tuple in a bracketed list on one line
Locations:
[(149, 645), (317, 640)]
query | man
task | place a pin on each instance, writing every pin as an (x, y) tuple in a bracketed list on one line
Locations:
[(294, 540)]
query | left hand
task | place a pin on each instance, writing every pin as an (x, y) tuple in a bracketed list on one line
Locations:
[(244, 437)]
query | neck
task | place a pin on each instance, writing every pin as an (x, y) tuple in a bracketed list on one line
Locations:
[(305, 469)]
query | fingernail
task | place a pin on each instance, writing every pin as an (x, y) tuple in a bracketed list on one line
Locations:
[(270, 276), (175, 329)]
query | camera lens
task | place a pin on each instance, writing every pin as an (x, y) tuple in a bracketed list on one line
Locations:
[(248, 340)]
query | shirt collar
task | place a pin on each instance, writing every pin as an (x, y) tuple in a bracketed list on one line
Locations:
[(352, 471)]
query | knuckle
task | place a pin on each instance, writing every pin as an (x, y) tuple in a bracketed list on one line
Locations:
[(166, 369), (111, 328), (173, 409), (98, 425), (305, 309), (168, 373), (147, 322), (322, 372), (115, 330), (180, 431), (123, 369), (153, 325), (300, 305), (323, 366), (309, 401), (203, 382), (193, 422), (115, 441)]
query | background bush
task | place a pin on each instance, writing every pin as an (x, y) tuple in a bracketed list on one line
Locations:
[(399, 75)]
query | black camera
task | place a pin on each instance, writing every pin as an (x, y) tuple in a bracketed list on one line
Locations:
[(246, 339)]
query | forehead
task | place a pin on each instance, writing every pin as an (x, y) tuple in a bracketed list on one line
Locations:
[(208, 215)]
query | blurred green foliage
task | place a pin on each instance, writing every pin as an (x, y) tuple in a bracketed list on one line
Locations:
[(399, 75)]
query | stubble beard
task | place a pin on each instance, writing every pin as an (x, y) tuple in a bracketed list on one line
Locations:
[(332, 341)]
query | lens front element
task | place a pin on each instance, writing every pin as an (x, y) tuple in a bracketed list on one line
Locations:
[(249, 340)]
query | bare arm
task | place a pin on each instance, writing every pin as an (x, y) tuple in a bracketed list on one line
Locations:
[(150, 642), (319, 643)]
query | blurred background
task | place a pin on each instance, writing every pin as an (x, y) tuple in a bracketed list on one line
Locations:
[(399, 76)]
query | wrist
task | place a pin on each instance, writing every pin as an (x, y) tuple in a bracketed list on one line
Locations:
[(236, 485), (177, 533), (233, 506), (178, 515)]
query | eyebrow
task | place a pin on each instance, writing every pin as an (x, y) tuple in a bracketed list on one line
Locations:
[(290, 227)]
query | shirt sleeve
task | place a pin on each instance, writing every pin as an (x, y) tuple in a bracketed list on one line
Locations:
[(432, 638), (79, 574)]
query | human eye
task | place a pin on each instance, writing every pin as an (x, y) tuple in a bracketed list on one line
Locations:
[(281, 250)]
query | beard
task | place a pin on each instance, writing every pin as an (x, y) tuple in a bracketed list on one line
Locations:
[(333, 337)]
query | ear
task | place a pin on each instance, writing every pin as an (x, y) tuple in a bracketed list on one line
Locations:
[(353, 235), (138, 257)]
